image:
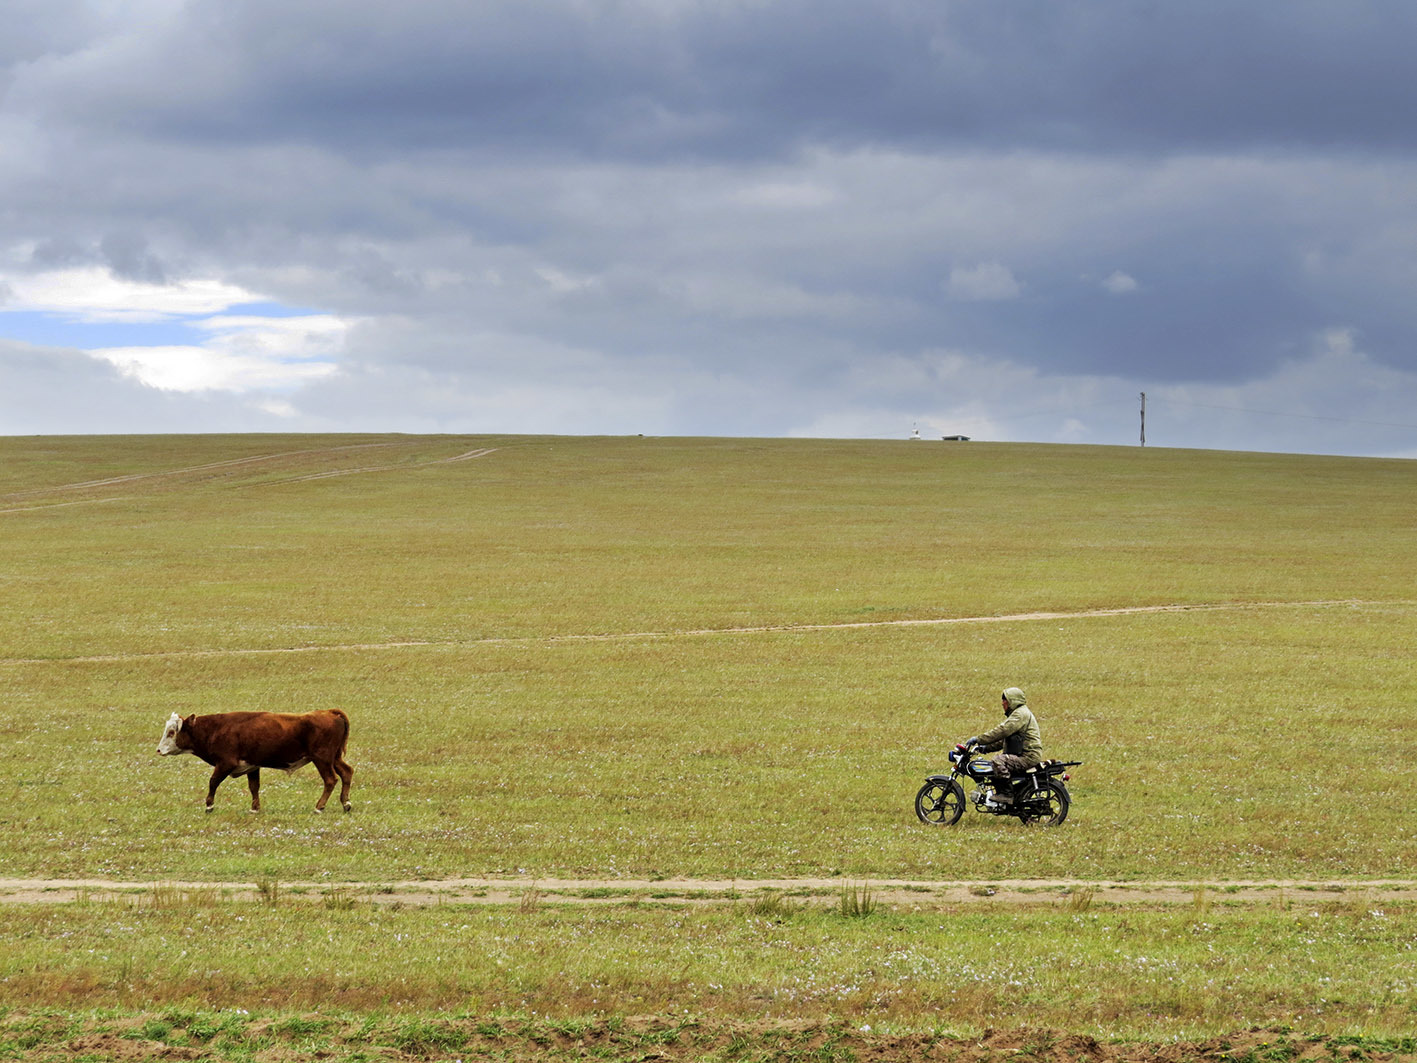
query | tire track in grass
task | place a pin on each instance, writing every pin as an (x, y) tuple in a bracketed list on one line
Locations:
[(482, 453), (208, 467), (235, 463), (633, 636), (43, 507)]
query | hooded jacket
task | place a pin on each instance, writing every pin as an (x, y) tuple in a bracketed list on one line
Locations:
[(1018, 732)]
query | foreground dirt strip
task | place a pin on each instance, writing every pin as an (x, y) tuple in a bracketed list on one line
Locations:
[(903, 892), (633, 636), (668, 1038)]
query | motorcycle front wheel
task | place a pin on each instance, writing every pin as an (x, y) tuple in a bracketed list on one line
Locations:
[(940, 804), (1049, 806)]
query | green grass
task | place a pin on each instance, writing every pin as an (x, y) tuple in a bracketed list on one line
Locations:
[(559, 536), (1165, 972), (1240, 745), (453, 609)]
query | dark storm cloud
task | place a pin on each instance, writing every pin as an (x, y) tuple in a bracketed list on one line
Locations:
[(38, 28), (127, 255), (741, 80), (742, 216)]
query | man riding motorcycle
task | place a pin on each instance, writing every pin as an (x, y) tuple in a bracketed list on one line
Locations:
[(1018, 736)]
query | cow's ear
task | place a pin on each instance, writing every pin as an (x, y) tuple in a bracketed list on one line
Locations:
[(188, 721)]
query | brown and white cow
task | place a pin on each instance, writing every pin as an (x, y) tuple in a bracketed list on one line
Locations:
[(242, 743)]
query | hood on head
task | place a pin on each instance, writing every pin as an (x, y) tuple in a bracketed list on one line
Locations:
[(1014, 697)]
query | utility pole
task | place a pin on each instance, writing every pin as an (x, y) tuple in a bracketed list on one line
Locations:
[(1143, 418)]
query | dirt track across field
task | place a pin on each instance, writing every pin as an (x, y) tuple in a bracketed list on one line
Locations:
[(641, 636), (231, 467), (907, 893)]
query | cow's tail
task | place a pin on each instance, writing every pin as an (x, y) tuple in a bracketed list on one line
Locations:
[(344, 719)]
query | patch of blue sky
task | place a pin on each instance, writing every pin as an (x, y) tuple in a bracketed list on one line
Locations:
[(44, 328), (267, 309)]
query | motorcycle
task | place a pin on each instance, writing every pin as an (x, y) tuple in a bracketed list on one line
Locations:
[(1036, 797)]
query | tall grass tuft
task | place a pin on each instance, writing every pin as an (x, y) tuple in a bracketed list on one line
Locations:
[(1200, 903), (857, 902), (774, 906), (1081, 900), (164, 896), (339, 899)]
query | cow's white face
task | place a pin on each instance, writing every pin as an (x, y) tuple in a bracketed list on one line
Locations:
[(168, 746)]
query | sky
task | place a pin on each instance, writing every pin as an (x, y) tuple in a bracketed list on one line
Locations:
[(798, 218)]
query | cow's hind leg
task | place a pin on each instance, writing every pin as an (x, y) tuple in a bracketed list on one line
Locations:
[(346, 774), (253, 780), (219, 773), (327, 773)]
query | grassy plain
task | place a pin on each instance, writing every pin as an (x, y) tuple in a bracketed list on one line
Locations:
[(537, 649), (1167, 972)]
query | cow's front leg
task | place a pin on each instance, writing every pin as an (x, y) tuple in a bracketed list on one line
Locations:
[(253, 780), (220, 772)]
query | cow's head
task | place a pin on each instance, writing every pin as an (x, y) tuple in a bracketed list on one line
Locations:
[(174, 739)]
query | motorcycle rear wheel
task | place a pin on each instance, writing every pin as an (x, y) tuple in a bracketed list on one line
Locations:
[(940, 804), (1049, 806)]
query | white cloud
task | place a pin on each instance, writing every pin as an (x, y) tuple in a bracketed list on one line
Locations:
[(174, 368), (303, 337), (1119, 283), (278, 408), (48, 390), (242, 352), (986, 282), (95, 295)]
